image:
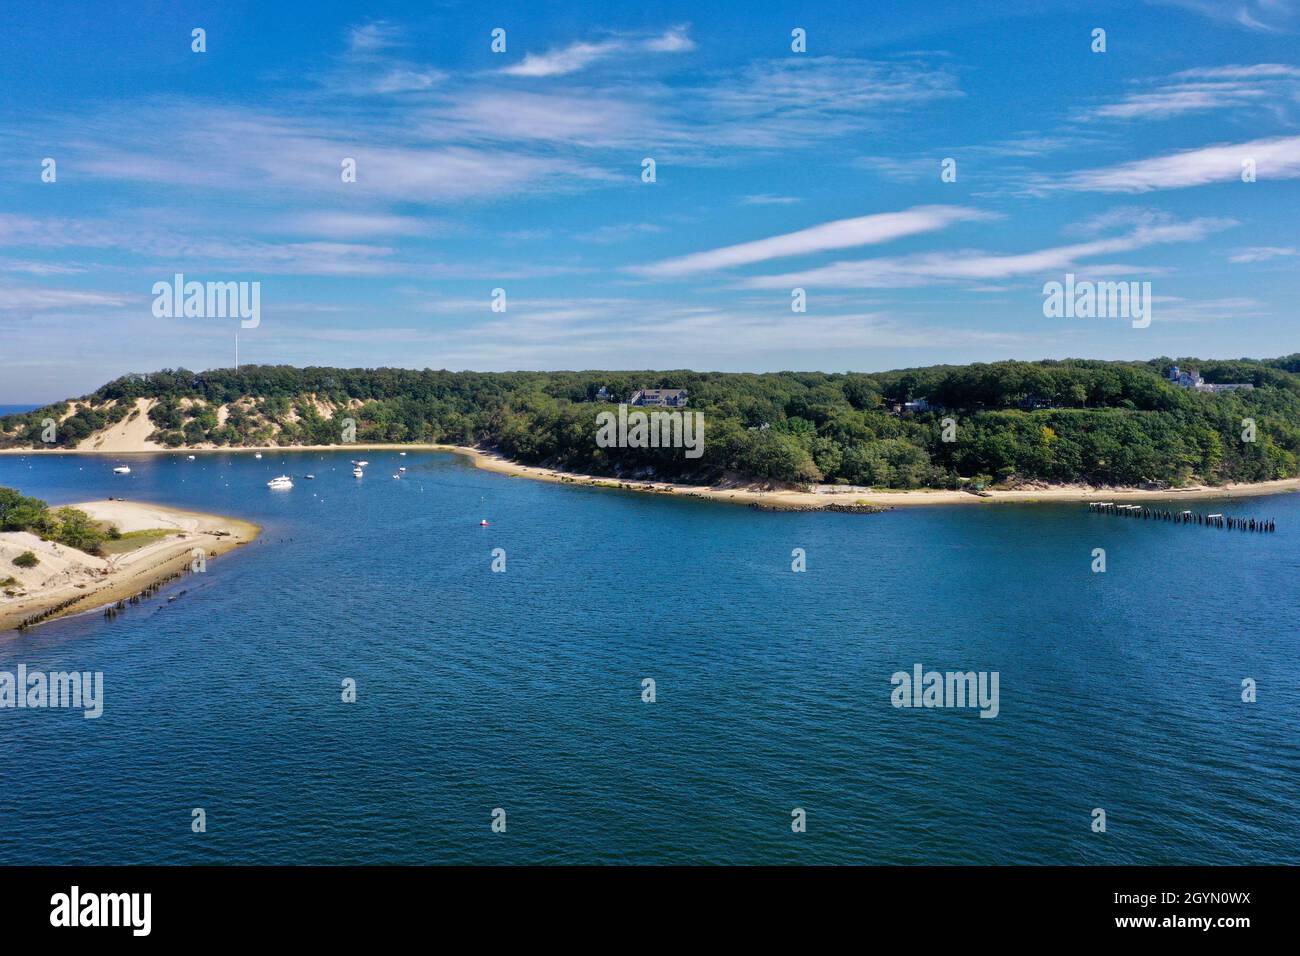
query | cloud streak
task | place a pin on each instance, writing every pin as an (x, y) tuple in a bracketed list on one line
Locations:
[(1262, 85), (561, 61), (1275, 158), (840, 234), (975, 266)]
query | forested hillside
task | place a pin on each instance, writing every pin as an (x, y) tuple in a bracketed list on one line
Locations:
[(1056, 421)]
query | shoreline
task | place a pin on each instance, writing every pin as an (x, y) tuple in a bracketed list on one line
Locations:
[(792, 500), (753, 494), (90, 584)]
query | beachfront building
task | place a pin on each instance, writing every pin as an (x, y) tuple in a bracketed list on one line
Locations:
[(1191, 378), (660, 397), (912, 407)]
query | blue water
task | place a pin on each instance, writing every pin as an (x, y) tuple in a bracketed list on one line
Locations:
[(522, 690), (16, 409)]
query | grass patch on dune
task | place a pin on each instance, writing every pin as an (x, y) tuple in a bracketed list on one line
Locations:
[(131, 540)]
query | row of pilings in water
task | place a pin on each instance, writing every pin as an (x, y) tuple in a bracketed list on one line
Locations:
[(1143, 513), (113, 610), (116, 609), (48, 613)]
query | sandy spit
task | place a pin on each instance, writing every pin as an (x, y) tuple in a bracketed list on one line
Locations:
[(88, 582)]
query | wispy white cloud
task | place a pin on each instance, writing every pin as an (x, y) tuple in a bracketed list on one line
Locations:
[(586, 118), (1012, 155), (802, 101), (1271, 86), (357, 225), (1264, 16), (564, 60), (592, 332), (673, 40), (1179, 310), (1263, 253), (1275, 158), (840, 234), (282, 155), (370, 65), (788, 104), (161, 249), (406, 80), (40, 298), (36, 268), (964, 265), (373, 37)]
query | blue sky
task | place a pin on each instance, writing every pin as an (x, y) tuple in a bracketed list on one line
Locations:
[(523, 171)]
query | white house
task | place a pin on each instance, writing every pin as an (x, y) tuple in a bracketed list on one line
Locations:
[(660, 397)]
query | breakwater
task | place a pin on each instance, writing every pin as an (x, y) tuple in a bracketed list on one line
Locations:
[(1221, 521)]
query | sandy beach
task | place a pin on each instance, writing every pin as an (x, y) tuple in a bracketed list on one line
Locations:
[(787, 499), (76, 582)]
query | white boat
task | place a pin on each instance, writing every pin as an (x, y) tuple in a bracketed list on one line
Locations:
[(284, 481), (122, 470), (361, 464), (258, 455), (310, 477), (357, 472), (402, 453), (398, 477)]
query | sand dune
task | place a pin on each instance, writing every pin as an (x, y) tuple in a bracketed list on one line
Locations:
[(130, 434)]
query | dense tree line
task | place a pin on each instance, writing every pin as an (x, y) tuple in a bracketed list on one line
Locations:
[(69, 526), (1056, 421)]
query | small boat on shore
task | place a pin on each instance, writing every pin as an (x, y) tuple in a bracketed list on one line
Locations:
[(282, 482), (122, 470)]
